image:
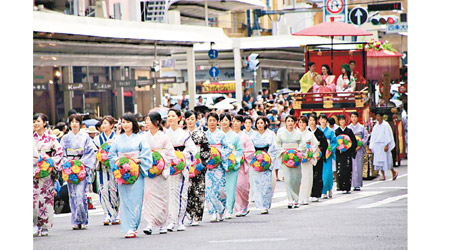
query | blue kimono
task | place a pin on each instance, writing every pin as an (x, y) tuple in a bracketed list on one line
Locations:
[(215, 193), (131, 195), (327, 173), (231, 176), (79, 147), (262, 181)]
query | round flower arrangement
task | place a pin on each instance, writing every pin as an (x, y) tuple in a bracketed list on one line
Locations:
[(261, 161), (157, 166), (231, 162), (291, 157), (102, 154), (73, 171), (45, 166), (178, 164), (215, 159), (196, 166), (309, 153), (359, 141), (344, 142), (125, 170), (318, 154), (242, 160)]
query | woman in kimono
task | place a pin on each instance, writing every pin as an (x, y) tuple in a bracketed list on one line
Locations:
[(215, 178), (345, 82), (196, 191), (307, 137), (307, 80), (130, 144), (43, 188), (248, 130), (178, 184), (344, 159), (243, 183), (382, 143), (77, 145), (327, 172), (317, 187), (263, 140), (290, 137), (107, 190), (358, 162), (156, 191), (231, 177)]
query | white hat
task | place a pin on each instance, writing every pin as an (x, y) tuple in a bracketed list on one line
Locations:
[(91, 130)]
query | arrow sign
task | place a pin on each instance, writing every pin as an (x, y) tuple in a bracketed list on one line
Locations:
[(213, 54), (214, 72), (358, 15)]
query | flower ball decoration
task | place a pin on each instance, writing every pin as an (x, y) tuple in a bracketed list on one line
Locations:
[(125, 170), (45, 166), (344, 142), (196, 166), (309, 153), (359, 141), (231, 162), (318, 154), (291, 157), (74, 171), (328, 152), (178, 164), (261, 161), (242, 160), (102, 154), (157, 166), (215, 159)]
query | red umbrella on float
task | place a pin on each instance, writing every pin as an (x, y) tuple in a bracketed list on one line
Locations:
[(332, 29)]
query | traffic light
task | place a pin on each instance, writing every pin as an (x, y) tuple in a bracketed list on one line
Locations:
[(380, 20), (253, 62)]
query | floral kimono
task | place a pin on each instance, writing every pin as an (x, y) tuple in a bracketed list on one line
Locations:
[(79, 147), (43, 189), (215, 178), (131, 195), (327, 172), (107, 185), (156, 192), (243, 183)]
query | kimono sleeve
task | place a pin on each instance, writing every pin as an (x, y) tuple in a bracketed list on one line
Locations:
[(88, 158), (239, 151), (273, 150), (249, 152), (145, 156), (314, 146), (226, 151), (57, 154), (168, 155), (352, 149), (333, 142), (205, 149), (113, 154), (323, 143), (189, 150)]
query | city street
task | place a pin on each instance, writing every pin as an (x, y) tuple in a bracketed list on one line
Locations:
[(374, 218)]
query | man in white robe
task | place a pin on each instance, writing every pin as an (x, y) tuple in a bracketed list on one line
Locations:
[(381, 143)]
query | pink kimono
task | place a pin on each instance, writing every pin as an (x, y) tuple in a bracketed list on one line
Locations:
[(243, 183)]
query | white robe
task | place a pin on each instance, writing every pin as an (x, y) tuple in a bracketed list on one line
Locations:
[(380, 137)]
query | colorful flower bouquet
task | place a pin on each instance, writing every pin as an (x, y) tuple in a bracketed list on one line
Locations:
[(358, 139), (242, 160), (196, 166), (157, 166), (318, 154), (344, 142), (309, 154), (291, 157), (125, 170), (45, 167), (102, 154), (329, 151), (178, 164), (231, 162), (261, 162), (215, 159), (74, 171)]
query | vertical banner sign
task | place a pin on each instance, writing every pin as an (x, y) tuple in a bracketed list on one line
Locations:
[(336, 9)]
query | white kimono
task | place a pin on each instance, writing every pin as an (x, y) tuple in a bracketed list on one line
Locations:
[(380, 137), (307, 167)]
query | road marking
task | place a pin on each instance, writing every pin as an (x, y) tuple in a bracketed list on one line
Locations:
[(385, 201), (348, 197), (248, 240), (376, 182)]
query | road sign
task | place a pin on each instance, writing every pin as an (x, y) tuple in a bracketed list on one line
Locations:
[(213, 72), (336, 9), (396, 28), (213, 54), (358, 16)]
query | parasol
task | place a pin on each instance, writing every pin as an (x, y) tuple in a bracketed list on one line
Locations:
[(284, 91), (332, 29), (161, 110), (223, 105)]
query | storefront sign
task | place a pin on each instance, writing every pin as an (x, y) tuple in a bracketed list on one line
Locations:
[(40, 86), (218, 87), (124, 83), (101, 86), (76, 86)]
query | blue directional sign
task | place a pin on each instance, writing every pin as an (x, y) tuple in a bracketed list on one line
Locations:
[(213, 54), (214, 72)]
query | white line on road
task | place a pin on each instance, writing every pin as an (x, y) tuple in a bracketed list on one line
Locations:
[(248, 240), (349, 197), (385, 201), (376, 182)]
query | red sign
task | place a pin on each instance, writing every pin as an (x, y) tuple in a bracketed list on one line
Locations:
[(335, 6)]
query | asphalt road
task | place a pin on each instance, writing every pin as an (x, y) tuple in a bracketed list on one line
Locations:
[(374, 218)]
